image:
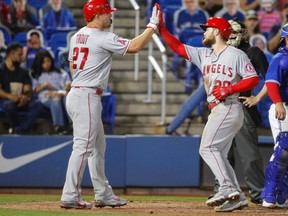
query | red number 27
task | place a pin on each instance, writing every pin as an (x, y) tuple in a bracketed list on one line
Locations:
[(76, 52)]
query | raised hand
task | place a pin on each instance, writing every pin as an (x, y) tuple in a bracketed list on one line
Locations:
[(154, 19), (221, 92), (161, 20)]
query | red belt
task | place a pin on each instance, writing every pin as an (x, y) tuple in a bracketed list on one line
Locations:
[(212, 105), (97, 91)]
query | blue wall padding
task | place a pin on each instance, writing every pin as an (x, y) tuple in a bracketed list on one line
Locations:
[(163, 161), (131, 161)]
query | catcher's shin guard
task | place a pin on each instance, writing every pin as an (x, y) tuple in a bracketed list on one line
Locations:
[(283, 189), (276, 169)]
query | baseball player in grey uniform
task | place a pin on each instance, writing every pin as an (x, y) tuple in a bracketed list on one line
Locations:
[(246, 140), (90, 57), (226, 71)]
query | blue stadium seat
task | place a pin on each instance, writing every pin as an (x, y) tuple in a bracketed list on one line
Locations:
[(7, 34), (188, 33), (50, 31), (108, 112), (168, 15), (21, 38), (165, 3), (168, 7), (193, 72), (195, 41), (57, 42), (37, 3), (7, 2)]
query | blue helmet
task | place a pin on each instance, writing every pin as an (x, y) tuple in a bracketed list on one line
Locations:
[(284, 31)]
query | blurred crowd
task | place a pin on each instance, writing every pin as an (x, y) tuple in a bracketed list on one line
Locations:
[(34, 66), (40, 30)]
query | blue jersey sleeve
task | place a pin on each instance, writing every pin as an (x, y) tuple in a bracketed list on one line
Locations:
[(278, 73), (274, 73)]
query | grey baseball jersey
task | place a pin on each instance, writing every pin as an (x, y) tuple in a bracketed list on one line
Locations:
[(91, 51), (228, 68), (225, 119)]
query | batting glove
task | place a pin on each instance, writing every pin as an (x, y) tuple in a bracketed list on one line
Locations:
[(154, 19), (221, 93)]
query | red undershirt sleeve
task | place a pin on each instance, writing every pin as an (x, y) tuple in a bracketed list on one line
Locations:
[(273, 92), (173, 42), (245, 84)]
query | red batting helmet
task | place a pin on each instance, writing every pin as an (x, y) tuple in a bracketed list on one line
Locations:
[(93, 7), (220, 23)]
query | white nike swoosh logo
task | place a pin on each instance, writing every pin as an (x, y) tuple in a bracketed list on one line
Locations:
[(10, 164)]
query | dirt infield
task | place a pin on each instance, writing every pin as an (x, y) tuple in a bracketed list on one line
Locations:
[(137, 207), (165, 208)]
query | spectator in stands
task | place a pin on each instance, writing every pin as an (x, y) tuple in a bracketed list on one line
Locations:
[(35, 43), (260, 41), (211, 6), (268, 16), (251, 23), (58, 17), (5, 17), (3, 48), (274, 35), (187, 20), (231, 11), (23, 17), (16, 92), (247, 5), (51, 85)]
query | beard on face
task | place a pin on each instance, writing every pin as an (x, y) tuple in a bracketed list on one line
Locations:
[(208, 41)]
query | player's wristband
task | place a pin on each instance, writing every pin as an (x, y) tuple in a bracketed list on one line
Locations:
[(152, 25)]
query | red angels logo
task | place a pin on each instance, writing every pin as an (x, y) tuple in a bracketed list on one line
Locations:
[(249, 68), (122, 41)]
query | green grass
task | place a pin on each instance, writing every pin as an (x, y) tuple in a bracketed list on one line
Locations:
[(12, 199), (25, 198)]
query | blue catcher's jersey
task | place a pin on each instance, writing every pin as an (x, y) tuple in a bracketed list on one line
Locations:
[(278, 72)]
